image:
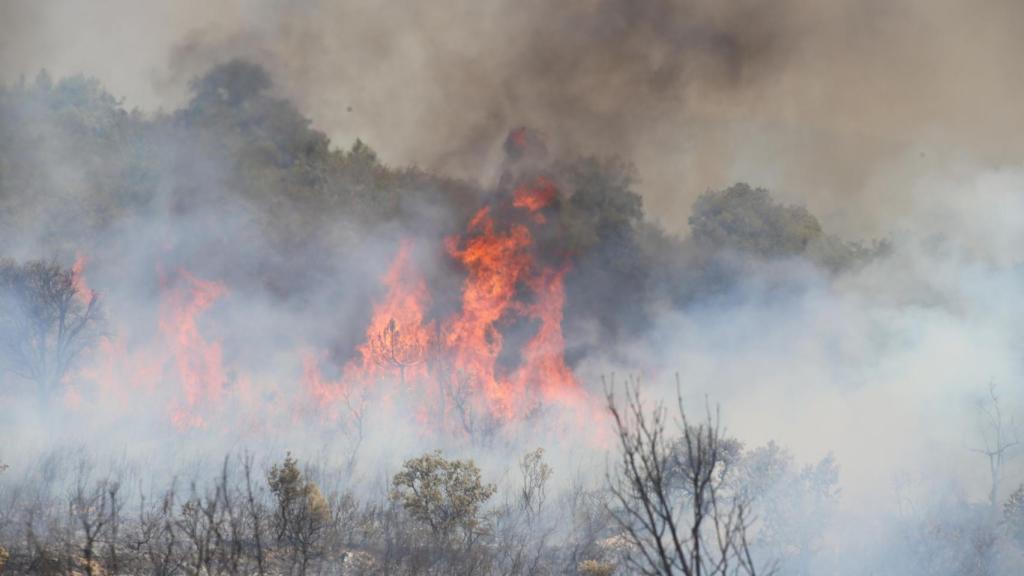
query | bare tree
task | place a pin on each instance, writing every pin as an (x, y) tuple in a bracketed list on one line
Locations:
[(257, 514), (999, 436), (674, 497), (91, 509), (116, 505), (355, 427), (158, 536), (391, 348), (199, 522), (230, 547), (46, 321), (459, 406)]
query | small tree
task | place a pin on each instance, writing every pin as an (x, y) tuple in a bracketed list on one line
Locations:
[(999, 436), (46, 321), (256, 511), (536, 473), (303, 514), (445, 495), (393, 349), (90, 507), (674, 498)]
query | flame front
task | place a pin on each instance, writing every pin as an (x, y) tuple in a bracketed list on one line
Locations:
[(459, 370), (503, 284)]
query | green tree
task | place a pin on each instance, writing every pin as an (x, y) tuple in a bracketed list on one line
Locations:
[(303, 514), (746, 219), (445, 495), (749, 221)]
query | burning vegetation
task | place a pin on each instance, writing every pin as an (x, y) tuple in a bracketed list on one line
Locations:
[(457, 360), (220, 279)]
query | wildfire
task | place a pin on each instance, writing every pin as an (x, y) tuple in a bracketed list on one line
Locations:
[(504, 283), (126, 370), (199, 362), (495, 264), (172, 362), (497, 359), (398, 338)]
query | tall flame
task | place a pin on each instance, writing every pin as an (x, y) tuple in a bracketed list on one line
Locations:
[(503, 283), (199, 362), (398, 339), (496, 263)]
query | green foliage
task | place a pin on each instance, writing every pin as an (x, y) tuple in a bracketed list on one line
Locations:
[(286, 482), (445, 495), (747, 220), (301, 506), (602, 205)]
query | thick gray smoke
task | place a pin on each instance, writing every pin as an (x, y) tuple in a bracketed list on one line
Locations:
[(841, 106), (229, 170)]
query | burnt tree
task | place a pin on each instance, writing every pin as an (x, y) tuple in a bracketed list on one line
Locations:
[(675, 497)]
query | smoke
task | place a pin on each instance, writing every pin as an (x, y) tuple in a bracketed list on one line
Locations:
[(840, 106), (239, 255)]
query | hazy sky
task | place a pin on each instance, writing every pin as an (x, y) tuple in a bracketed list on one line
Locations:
[(840, 105)]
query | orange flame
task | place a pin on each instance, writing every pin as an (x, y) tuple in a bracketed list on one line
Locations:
[(503, 283), (398, 339), (458, 363), (534, 198), (199, 362), (85, 294)]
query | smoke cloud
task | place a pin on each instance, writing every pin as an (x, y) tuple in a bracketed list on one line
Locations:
[(241, 210), (839, 106)]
